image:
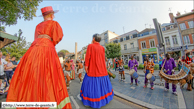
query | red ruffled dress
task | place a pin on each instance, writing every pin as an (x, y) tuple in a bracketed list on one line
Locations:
[(39, 76)]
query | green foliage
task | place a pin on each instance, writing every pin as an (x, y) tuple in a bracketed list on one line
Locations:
[(125, 66), (17, 48), (64, 51), (113, 50), (12, 10), (141, 66), (156, 67), (2, 28)]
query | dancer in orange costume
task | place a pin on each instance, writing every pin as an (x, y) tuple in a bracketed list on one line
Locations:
[(39, 76)]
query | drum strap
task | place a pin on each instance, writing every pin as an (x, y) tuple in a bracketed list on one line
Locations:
[(163, 64)]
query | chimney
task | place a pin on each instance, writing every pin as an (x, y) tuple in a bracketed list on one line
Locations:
[(171, 17), (192, 10), (178, 14)]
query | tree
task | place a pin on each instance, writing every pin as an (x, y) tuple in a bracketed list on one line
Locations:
[(2, 28), (17, 48), (11, 10), (113, 50), (64, 51)]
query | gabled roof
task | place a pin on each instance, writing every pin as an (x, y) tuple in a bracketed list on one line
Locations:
[(145, 30)]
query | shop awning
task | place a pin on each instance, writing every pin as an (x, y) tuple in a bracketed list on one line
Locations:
[(6, 39)]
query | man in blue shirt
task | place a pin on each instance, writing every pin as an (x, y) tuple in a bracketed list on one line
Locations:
[(160, 61)]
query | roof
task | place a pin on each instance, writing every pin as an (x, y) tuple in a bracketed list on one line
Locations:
[(186, 14), (6, 39), (167, 24), (145, 30), (123, 35), (8, 36)]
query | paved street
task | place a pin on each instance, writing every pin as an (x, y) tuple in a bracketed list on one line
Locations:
[(157, 97), (76, 102), (132, 96)]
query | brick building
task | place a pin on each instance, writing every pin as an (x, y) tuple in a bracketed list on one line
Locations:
[(147, 41), (186, 28)]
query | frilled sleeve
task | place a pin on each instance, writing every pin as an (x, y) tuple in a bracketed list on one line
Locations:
[(57, 33)]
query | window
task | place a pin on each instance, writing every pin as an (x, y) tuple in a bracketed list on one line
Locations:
[(106, 40), (174, 39), (182, 26), (132, 45), (105, 35), (167, 40), (163, 29), (186, 40), (125, 47), (152, 43), (143, 45), (193, 37), (121, 39), (127, 37), (191, 24), (124, 39)]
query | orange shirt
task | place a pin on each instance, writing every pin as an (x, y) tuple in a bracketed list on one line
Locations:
[(120, 62), (148, 66), (95, 60)]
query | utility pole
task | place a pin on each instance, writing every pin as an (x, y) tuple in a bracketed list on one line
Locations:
[(123, 30), (159, 35)]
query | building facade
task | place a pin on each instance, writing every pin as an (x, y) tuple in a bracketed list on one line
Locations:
[(186, 28), (106, 36), (147, 41), (172, 40), (129, 45)]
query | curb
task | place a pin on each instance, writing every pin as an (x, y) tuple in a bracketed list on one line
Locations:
[(136, 101)]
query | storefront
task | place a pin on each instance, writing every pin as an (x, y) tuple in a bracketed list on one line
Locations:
[(175, 52), (151, 53)]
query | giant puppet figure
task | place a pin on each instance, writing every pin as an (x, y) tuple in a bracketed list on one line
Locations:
[(96, 90), (39, 76)]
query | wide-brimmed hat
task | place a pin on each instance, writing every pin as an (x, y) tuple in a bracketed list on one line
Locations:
[(47, 10)]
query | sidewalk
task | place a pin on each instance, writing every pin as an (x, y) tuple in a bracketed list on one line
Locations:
[(157, 98)]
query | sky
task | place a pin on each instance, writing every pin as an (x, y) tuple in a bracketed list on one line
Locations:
[(81, 19)]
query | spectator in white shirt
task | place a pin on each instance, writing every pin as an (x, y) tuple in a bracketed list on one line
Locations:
[(2, 64)]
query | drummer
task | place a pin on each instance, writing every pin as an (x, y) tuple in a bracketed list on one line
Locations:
[(121, 69), (169, 67), (133, 65), (149, 65)]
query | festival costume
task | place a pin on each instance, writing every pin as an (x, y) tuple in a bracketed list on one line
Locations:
[(169, 66), (149, 70), (80, 71), (39, 75), (96, 90), (132, 64)]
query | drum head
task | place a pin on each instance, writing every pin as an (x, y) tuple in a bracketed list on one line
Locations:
[(149, 75), (131, 71)]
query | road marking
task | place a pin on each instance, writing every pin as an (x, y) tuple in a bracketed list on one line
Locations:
[(74, 102), (133, 88), (181, 99), (78, 96)]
